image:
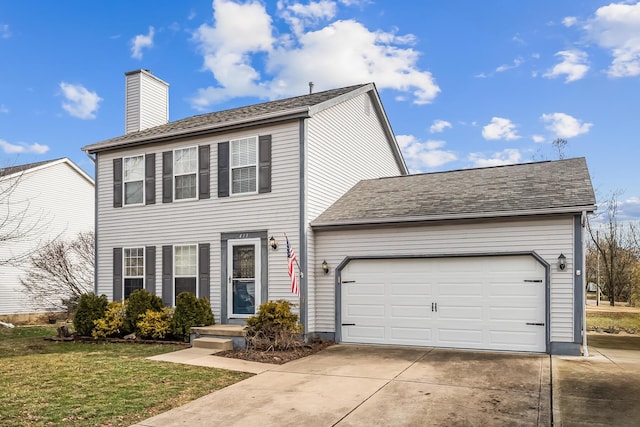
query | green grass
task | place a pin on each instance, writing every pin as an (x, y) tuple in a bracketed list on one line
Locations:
[(614, 321), (47, 383)]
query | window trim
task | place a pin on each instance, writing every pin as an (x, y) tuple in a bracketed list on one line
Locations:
[(124, 267), (125, 182), (195, 173), (196, 275), (255, 164)]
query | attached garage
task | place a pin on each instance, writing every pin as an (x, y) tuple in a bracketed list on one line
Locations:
[(494, 303), (488, 258)]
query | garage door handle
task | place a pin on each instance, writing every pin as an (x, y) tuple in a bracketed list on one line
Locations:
[(348, 324), (347, 281), (535, 324)]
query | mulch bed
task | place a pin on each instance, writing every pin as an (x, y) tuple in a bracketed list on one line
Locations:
[(277, 357)]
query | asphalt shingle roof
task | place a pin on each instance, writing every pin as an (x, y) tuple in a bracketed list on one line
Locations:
[(522, 189), (21, 168), (220, 118)]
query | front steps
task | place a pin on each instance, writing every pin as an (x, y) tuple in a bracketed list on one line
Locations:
[(218, 337)]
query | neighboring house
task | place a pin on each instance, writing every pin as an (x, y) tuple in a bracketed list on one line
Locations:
[(463, 259), (40, 202)]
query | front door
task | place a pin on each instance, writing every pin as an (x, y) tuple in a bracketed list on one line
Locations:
[(243, 293)]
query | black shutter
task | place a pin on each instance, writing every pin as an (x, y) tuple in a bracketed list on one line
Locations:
[(203, 270), (150, 179), (117, 183), (203, 172), (150, 269), (223, 169), (167, 177), (117, 274), (167, 275), (264, 162)]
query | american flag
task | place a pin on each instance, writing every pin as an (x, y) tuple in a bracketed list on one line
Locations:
[(291, 256)]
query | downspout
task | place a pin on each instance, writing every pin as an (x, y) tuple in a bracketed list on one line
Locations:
[(585, 349), (95, 224)]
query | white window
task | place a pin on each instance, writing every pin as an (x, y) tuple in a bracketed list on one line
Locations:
[(133, 180), (133, 270), (244, 155), (185, 173), (185, 269)]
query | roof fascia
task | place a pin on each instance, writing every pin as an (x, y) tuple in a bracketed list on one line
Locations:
[(50, 164), (469, 216), (302, 112)]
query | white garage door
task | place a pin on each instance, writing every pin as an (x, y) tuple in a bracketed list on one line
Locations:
[(491, 303)]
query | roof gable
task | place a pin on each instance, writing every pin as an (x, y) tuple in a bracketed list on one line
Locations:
[(12, 171), (514, 190)]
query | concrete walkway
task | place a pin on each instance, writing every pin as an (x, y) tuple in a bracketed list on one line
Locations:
[(366, 385), (602, 389)]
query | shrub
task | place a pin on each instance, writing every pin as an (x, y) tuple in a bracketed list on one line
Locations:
[(111, 324), (274, 327), (140, 301), (90, 308), (190, 311), (155, 324)]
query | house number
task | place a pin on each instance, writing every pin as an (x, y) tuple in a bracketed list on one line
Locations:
[(244, 236)]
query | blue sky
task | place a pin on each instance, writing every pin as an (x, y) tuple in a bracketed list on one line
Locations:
[(464, 83)]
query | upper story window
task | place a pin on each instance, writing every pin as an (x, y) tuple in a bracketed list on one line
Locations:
[(244, 162), (185, 172), (133, 177), (133, 270)]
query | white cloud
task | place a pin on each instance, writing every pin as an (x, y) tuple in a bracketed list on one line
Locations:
[(500, 128), (141, 41), (617, 27), (337, 54), (538, 138), (507, 156), (423, 155), (80, 102), (5, 32), (3, 109), (439, 125), (565, 126), (22, 148), (573, 65), (629, 209), (505, 67), (299, 16), (569, 21)]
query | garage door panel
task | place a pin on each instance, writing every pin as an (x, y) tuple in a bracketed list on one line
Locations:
[(482, 302)]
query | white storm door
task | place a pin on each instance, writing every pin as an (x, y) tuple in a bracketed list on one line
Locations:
[(243, 269)]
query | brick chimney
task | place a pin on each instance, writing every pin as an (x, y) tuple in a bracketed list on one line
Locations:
[(146, 101)]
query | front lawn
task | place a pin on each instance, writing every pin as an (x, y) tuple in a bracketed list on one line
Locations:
[(99, 384), (613, 319)]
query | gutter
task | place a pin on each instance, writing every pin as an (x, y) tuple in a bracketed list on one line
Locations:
[(585, 349), (446, 217)]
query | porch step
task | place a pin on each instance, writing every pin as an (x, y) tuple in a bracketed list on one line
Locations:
[(213, 343), (219, 330)]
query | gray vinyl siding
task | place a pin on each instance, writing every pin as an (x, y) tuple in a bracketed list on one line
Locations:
[(58, 203), (547, 237), (345, 144), (203, 221), (132, 94)]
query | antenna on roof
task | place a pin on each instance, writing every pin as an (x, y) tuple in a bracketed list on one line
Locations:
[(310, 88)]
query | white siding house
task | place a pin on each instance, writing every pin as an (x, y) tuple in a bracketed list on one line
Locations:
[(213, 189), (41, 201), (465, 259)]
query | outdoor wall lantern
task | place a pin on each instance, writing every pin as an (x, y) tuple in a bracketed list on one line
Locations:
[(325, 267), (273, 243), (562, 262)]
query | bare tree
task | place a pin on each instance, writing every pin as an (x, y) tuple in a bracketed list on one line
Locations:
[(60, 272), (615, 246), (18, 222), (560, 144)]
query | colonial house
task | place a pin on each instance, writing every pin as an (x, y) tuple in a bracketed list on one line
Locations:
[(42, 201), (203, 204)]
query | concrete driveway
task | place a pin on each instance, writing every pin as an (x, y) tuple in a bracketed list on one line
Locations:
[(381, 386)]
